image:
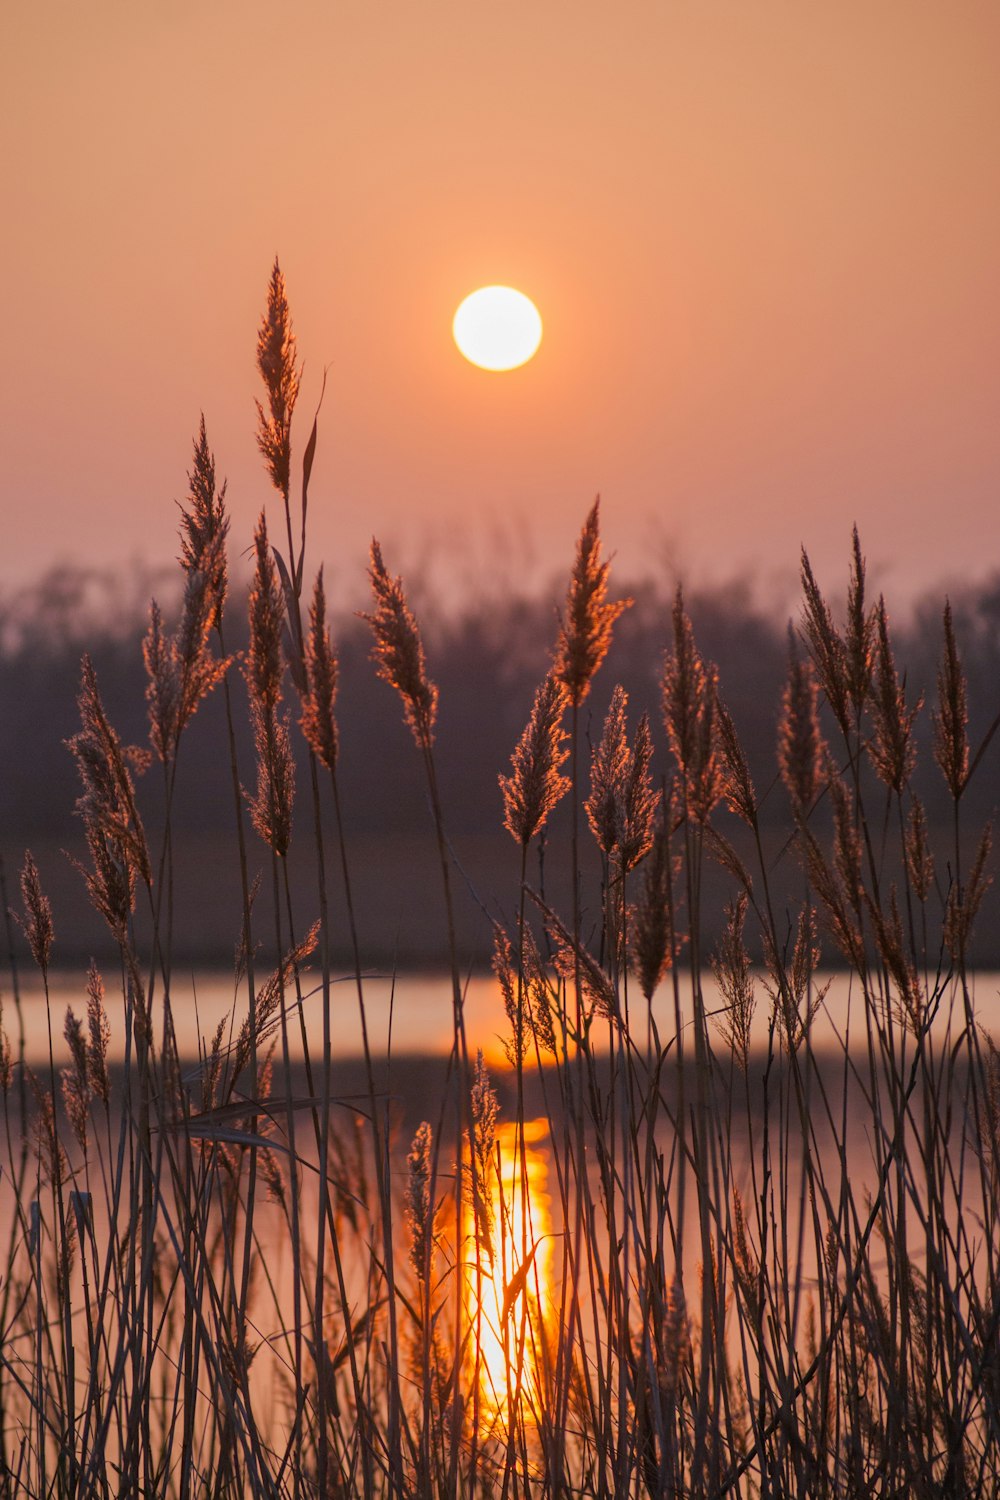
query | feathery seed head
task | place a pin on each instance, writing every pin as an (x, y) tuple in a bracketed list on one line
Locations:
[(919, 860), (205, 526), (733, 971), (859, 642), (951, 744), (37, 920), (398, 652), (609, 770), (535, 784), (826, 647), (318, 722), (892, 750), (652, 938), (739, 789), (585, 632), (264, 665), (276, 363), (114, 830), (99, 1030), (271, 806), (800, 742), (419, 1210), (691, 719)]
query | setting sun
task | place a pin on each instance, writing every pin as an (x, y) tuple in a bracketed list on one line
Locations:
[(497, 328)]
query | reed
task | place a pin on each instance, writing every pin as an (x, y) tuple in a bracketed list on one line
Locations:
[(674, 1247)]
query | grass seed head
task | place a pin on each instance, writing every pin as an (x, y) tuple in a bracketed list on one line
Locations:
[(318, 722), (398, 652), (585, 631), (536, 784), (278, 370), (37, 920)]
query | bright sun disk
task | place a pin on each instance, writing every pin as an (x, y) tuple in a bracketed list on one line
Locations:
[(497, 328)]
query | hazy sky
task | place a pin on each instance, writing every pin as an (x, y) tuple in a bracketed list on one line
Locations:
[(764, 239)]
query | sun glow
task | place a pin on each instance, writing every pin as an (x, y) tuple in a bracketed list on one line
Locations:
[(497, 328), (509, 1295)]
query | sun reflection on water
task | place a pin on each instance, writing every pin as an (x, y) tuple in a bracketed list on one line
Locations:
[(509, 1293)]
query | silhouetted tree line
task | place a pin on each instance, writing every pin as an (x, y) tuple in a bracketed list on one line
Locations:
[(487, 661)]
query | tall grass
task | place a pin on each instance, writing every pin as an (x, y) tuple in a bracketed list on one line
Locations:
[(663, 1266)]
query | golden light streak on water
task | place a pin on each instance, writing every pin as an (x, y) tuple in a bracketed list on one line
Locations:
[(510, 1296)]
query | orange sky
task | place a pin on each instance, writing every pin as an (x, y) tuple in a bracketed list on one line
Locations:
[(764, 239)]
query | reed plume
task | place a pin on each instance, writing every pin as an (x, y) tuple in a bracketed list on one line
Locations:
[(605, 807), (112, 825), (826, 647), (536, 784), (37, 920), (319, 725), (398, 652), (99, 1036), (271, 806), (278, 370), (691, 718), (622, 803), (951, 717), (800, 743), (419, 1208), (652, 934), (205, 526), (733, 971), (181, 670), (585, 630), (892, 748)]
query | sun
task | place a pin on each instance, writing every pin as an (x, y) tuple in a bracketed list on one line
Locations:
[(497, 328)]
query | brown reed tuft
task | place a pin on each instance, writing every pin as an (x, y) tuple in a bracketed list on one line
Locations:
[(585, 630), (419, 1209), (75, 1080), (276, 363), (37, 919), (859, 639), (99, 1029), (536, 784), (505, 969), (539, 996), (800, 742), (114, 832), (640, 800), (263, 663), (652, 936), (827, 648), (398, 652), (318, 722), (205, 526), (622, 803), (733, 970), (271, 805), (689, 697), (951, 744), (892, 749), (181, 669), (608, 772), (917, 848), (485, 1108), (740, 795)]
